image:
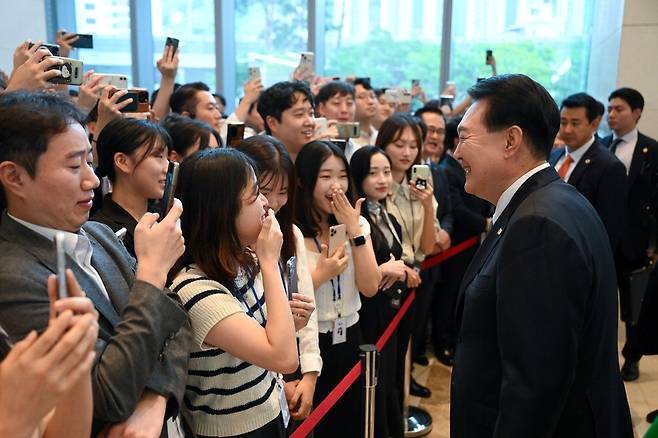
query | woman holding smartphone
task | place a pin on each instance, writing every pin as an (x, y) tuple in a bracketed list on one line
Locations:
[(132, 154), (276, 173), (324, 207), (415, 210), (244, 334), (371, 171)]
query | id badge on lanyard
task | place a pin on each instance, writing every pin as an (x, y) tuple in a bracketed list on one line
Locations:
[(283, 403), (340, 326)]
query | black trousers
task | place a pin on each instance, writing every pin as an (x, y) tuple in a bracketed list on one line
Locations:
[(424, 297), (344, 418), (404, 335), (632, 351), (273, 429)]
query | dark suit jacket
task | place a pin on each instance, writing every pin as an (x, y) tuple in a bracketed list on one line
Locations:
[(469, 212), (536, 354), (601, 178), (442, 196), (642, 205), (144, 335)]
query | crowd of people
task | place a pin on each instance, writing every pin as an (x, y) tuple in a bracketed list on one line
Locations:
[(235, 312)]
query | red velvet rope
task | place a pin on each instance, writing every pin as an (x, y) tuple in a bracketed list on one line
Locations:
[(330, 400)]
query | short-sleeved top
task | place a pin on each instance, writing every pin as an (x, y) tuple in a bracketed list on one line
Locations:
[(224, 395), (325, 305)]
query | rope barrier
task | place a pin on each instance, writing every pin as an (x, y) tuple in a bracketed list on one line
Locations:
[(330, 400)]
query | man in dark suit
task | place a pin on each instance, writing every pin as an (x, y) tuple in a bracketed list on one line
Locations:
[(589, 166), (139, 376), (639, 154), (537, 310)]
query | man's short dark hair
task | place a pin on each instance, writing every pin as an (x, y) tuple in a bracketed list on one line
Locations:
[(332, 89), (29, 120), (631, 96), (429, 110), (516, 99), (280, 97), (184, 98), (583, 100), (364, 82), (451, 133), (220, 97)]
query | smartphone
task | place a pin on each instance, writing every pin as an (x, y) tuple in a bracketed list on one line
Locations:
[(118, 81), (489, 55), (234, 134), (291, 269), (337, 237), (404, 96), (62, 290), (415, 83), (169, 190), (253, 73), (391, 95), (172, 42), (84, 41), (348, 130), (72, 71), (446, 99), (321, 125), (341, 143), (52, 48), (140, 103), (306, 60), (420, 175)]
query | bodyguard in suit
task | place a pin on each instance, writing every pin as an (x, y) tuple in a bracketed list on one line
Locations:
[(639, 154), (587, 165), (142, 350), (536, 354)]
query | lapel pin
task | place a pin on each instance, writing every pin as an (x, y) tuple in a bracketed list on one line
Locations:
[(587, 161), (500, 231), (645, 150)]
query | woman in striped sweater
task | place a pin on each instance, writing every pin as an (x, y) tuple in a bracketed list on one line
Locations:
[(244, 334)]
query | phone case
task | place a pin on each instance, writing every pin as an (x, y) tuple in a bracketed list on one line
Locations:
[(420, 173), (337, 237)]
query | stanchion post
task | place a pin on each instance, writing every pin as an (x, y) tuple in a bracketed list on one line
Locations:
[(369, 367)]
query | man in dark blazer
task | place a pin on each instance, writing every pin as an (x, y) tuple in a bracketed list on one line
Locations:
[(589, 166), (139, 376), (639, 154), (537, 310)]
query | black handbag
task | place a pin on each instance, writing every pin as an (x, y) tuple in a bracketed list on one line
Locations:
[(632, 290)]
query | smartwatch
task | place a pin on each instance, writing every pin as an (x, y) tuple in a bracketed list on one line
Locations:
[(358, 240)]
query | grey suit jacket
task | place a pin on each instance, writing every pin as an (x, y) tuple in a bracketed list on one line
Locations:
[(144, 334)]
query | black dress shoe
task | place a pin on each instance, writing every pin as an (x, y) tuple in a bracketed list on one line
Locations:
[(630, 371), (651, 416), (445, 355), (422, 361), (418, 390)]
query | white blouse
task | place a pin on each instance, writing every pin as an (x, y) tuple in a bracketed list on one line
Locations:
[(325, 306)]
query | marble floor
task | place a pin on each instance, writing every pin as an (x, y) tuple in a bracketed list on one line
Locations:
[(642, 394)]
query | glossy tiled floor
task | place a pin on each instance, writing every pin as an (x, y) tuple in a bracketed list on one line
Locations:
[(642, 394)]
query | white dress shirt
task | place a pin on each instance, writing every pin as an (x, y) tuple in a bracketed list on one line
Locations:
[(626, 148), (508, 194), (575, 156), (77, 246)]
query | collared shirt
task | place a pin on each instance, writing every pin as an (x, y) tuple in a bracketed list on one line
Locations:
[(626, 148), (575, 156), (508, 194), (350, 148), (77, 246), (410, 215)]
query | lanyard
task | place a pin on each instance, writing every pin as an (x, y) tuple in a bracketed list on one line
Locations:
[(337, 295), (284, 277)]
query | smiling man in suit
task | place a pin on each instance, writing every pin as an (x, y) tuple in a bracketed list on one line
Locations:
[(587, 165), (138, 379), (536, 354), (639, 154)]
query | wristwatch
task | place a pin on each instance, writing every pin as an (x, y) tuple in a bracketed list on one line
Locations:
[(358, 240)]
